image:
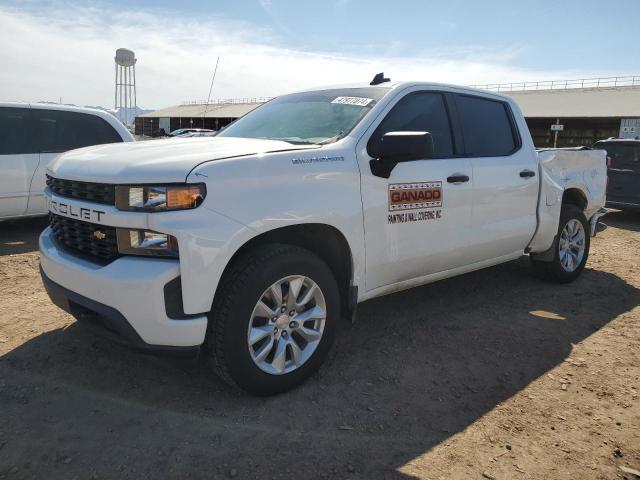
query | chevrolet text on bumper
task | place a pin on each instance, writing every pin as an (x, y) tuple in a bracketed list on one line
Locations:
[(256, 242)]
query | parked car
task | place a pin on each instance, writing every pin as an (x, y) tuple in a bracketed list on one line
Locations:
[(256, 242), (31, 135), (623, 161), (188, 131)]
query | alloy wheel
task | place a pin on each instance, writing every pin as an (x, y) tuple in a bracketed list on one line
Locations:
[(572, 245), (286, 324)]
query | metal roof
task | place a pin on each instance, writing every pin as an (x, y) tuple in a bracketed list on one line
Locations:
[(615, 102), (218, 110), (579, 102)]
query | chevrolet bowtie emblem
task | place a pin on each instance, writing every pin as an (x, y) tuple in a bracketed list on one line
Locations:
[(99, 235)]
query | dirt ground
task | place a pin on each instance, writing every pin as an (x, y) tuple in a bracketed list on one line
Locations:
[(494, 374)]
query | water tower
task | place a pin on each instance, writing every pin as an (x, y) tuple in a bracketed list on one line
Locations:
[(125, 97)]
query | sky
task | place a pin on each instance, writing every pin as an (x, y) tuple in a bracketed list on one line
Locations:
[(64, 50)]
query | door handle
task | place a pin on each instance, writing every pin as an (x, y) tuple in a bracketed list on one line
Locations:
[(527, 173), (458, 178)]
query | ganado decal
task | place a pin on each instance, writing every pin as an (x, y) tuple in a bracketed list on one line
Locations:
[(298, 161), (413, 196), (425, 196)]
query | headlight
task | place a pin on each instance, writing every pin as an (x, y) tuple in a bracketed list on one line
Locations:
[(159, 198), (146, 242)]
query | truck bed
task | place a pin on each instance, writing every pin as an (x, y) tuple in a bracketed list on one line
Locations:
[(581, 170)]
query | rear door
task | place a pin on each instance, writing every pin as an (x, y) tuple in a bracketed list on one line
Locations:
[(623, 171), (505, 177), (58, 131), (18, 160)]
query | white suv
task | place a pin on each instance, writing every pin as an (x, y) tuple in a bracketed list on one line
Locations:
[(31, 135)]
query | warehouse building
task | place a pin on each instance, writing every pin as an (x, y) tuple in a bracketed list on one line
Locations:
[(562, 113), (571, 113), (213, 115)]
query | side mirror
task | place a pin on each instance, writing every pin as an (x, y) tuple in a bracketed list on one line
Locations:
[(405, 146), (396, 147)]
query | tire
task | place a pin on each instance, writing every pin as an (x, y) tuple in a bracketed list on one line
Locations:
[(236, 310), (557, 270)]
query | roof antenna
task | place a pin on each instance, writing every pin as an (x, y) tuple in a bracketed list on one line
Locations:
[(378, 79)]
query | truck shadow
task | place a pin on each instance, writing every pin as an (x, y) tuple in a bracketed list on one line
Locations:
[(21, 236), (416, 368)]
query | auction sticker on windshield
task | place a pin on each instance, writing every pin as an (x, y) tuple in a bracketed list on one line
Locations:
[(358, 101)]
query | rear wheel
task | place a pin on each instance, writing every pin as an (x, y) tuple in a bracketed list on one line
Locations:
[(274, 319), (571, 247)]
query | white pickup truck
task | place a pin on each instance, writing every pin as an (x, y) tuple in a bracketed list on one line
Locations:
[(255, 243)]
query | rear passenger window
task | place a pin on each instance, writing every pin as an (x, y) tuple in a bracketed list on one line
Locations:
[(59, 131), (487, 127), (15, 136), (417, 112)]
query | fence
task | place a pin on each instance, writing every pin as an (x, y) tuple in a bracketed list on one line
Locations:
[(604, 82), (220, 101)]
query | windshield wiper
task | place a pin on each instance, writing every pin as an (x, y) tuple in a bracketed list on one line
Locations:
[(335, 138), (293, 142), (297, 142)]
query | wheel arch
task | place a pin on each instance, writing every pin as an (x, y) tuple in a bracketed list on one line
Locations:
[(570, 196), (575, 196), (326, 241)]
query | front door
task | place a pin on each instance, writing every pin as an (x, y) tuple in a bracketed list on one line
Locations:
[(417, 221)]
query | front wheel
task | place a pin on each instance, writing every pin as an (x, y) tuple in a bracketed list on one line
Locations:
[(274, 319), (571, 247)]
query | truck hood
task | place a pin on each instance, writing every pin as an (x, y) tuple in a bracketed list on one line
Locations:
[(156, 161)]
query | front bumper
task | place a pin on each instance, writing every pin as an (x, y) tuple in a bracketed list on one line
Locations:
[(126, 297)]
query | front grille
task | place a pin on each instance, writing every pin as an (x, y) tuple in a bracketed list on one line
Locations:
[(80, 238), (93, 192)]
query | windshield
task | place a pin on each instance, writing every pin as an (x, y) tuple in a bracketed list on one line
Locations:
[(318, 117)]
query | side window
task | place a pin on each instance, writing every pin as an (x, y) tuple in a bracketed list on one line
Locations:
[(95, 130), (487, 126), (59, 131), (55, 131), (418, 112), (15, 132)]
